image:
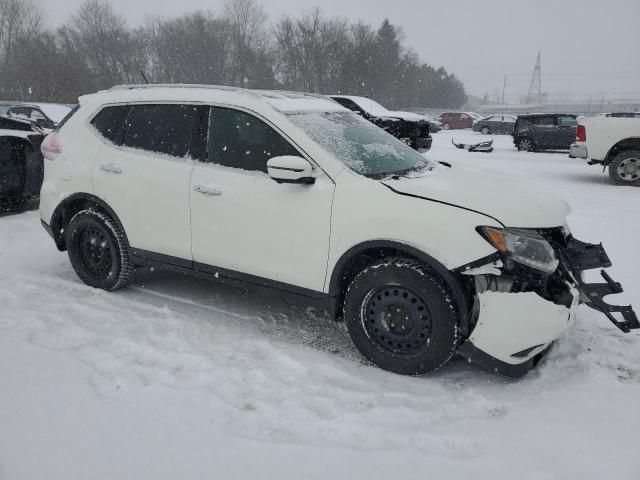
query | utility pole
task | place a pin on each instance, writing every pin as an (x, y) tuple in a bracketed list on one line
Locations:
[(536, 83), (504, 86)]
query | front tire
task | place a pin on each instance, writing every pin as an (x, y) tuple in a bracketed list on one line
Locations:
[(485, 130), (624, 169), (98, 250), (446, 126), (401, 316), (526, 145)]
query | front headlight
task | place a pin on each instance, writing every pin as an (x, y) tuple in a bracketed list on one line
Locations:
[(522, 246)]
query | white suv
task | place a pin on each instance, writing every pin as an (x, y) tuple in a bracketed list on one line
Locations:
[(422, 260)]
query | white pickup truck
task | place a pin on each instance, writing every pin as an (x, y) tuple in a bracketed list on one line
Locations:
[(612, 141)]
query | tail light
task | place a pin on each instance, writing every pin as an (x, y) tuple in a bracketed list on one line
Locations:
[(581, 133), (51, 147)]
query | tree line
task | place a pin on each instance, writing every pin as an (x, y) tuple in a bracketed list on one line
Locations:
[(96, 49)]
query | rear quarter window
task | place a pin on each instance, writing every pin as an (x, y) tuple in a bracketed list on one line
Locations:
[(109, 122), (567, 121)]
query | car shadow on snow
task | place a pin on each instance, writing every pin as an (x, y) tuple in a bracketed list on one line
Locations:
[(277, 315), (593, 178)]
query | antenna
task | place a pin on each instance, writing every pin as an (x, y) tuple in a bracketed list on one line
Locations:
[(144, 77), (536, 84)]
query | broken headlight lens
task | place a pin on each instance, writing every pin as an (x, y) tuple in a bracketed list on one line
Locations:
[(522, 246)]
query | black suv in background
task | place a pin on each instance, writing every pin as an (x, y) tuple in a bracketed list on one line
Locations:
[(545, 131), (412, 128)]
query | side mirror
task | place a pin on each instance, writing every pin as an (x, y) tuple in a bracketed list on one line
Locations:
[(290, 169)]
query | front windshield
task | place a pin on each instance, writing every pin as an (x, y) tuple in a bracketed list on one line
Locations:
[(359, 144)]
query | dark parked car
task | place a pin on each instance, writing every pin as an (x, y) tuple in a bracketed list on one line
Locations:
[(540, 131), (411, 128), (495, 124), (21, 164)]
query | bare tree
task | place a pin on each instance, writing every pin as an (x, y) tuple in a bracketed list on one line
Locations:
[(112, 52), (311, 51), (18, 19), (248, 37), (189, 49), (97, 49)]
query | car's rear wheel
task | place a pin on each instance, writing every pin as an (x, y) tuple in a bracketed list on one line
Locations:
[(485, 130), (401, 316), (98, 250), (624, 169), (525, 145)]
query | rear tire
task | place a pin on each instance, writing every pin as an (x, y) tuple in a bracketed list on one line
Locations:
[(98, 250), (624, 169), (401, 316)]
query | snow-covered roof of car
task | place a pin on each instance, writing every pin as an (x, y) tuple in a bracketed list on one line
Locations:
[(280, 100), (54, 111)]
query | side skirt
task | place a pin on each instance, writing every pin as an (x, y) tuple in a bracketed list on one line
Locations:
[(223, 275)]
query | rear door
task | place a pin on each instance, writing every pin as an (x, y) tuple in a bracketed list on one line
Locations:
[(566, 130), (464, 121), (243, 222), (143, 173)]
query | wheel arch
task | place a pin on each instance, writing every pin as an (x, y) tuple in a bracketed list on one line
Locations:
[(626, 144), (359, 256), (69, 207)]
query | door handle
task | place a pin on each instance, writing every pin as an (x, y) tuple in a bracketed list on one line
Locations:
[(110, 168), (212, 192)]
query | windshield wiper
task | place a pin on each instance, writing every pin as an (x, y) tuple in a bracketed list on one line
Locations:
[(405, 173)]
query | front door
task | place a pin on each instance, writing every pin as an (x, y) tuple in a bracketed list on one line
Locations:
[(243, 222), (142, 172)]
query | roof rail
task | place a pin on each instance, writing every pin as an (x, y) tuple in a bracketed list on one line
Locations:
[(174, 85)]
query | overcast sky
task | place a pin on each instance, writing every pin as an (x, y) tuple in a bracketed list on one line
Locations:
[(588, 47)]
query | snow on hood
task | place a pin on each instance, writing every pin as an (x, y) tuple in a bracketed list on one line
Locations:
[(408, 116), (498, 196)]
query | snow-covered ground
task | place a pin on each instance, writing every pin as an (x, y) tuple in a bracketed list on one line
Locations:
[(183, 378)]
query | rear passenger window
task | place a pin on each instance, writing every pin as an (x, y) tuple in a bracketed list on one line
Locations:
[(161, 128), (542, 121), (109, 122), (567, 121), (240, 140)]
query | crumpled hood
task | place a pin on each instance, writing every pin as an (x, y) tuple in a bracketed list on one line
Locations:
[(407, 116), (504, 198)]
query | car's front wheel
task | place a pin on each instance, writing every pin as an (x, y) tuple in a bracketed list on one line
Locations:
[(446, 126), (401, 316), (525, 145), (485, 131), (98, 250), (624, 169)]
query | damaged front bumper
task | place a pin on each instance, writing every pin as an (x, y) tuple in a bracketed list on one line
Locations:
[(517, 315)]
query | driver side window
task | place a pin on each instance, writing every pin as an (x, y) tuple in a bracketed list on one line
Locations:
[(239, 140)]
